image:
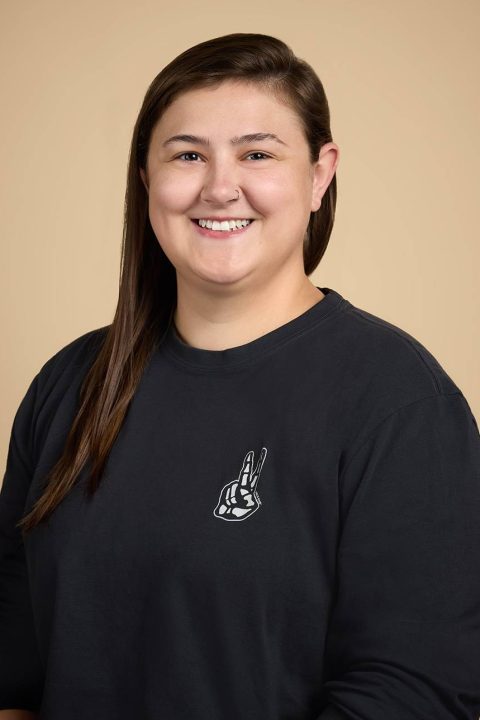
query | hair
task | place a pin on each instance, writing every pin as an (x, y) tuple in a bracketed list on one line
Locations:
[(148, 286)]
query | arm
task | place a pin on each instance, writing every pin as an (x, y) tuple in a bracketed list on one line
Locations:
[(404, 634), (17, 715), (21, 672)]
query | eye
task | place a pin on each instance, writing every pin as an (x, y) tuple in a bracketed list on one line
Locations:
[(186, 153), (258, 153), (182, 156)]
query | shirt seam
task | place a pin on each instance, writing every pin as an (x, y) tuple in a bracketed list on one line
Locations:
[(384, 419), (406, 340)]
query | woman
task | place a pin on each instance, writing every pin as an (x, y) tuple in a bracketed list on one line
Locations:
[(246, 497)]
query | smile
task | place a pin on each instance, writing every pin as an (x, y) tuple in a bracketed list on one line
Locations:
[(223, 229), (224, 225)]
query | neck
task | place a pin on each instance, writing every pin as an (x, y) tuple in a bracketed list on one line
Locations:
[(226, 317)]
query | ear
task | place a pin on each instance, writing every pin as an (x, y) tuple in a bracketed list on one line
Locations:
[(323, 172), (143, 175)]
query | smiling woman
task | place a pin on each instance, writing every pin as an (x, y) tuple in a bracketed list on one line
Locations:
[(245, 498), (257, 177)]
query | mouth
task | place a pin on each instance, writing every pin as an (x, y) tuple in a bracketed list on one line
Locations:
[(222, 221), (222, 228)]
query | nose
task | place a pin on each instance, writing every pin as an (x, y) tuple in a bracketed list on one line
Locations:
[(220, 182)]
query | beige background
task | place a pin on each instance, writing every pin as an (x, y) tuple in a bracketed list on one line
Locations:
[(402, 83)]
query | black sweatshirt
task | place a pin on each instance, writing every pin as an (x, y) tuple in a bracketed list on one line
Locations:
[(287, 530)]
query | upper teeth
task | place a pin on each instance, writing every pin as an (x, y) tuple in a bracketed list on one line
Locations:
[(224, 225)]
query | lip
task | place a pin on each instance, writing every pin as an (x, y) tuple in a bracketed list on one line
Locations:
[(220, 234)]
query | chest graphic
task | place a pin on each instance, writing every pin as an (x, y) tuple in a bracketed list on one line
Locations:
[(239, 498)]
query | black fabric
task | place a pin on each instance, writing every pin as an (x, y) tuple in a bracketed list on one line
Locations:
[(286, 530), (331, 713)]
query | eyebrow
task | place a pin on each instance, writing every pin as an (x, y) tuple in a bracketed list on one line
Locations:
[(242, 140)]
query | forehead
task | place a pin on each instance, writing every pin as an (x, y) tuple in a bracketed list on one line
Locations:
[(233, 107)]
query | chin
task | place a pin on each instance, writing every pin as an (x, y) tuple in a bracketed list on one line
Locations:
[(223, 277)]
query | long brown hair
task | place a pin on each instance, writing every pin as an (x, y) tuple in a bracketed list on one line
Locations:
[(148, 286)]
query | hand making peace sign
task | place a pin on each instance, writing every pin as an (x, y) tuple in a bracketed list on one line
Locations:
[(239, 498)]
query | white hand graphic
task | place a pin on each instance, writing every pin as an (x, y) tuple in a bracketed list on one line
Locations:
[(239, 498)]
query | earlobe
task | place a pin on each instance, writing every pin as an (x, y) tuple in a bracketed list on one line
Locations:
[(324, 171), (318, 189)]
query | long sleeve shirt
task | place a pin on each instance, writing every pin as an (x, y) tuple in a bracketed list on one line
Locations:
[(288, 529)]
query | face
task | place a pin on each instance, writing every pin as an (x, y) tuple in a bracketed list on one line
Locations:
[(278, 186)]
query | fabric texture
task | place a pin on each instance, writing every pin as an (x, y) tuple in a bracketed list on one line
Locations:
[(286, 530)]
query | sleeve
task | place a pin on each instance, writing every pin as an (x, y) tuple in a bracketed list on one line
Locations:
[(21, 673), (404, 633)]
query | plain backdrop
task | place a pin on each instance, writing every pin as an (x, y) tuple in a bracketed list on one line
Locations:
[(402, 81)]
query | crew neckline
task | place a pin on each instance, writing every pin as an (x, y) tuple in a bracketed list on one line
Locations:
[(205, 360)]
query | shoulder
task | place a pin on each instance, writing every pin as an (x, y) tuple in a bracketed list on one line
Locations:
[(53, 388), (69, 360), (378, 370), (61, 375), (390, 359), (394, 399), (73, 357), (76, 351)]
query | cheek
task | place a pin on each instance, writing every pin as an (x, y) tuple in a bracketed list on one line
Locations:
[(170, 195), (277, 192), (266, 195), (288, 197)]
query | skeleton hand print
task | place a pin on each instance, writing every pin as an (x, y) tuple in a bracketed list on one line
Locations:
[(239, 498)]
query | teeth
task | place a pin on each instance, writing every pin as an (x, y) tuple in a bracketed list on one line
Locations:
[(225, 225)]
